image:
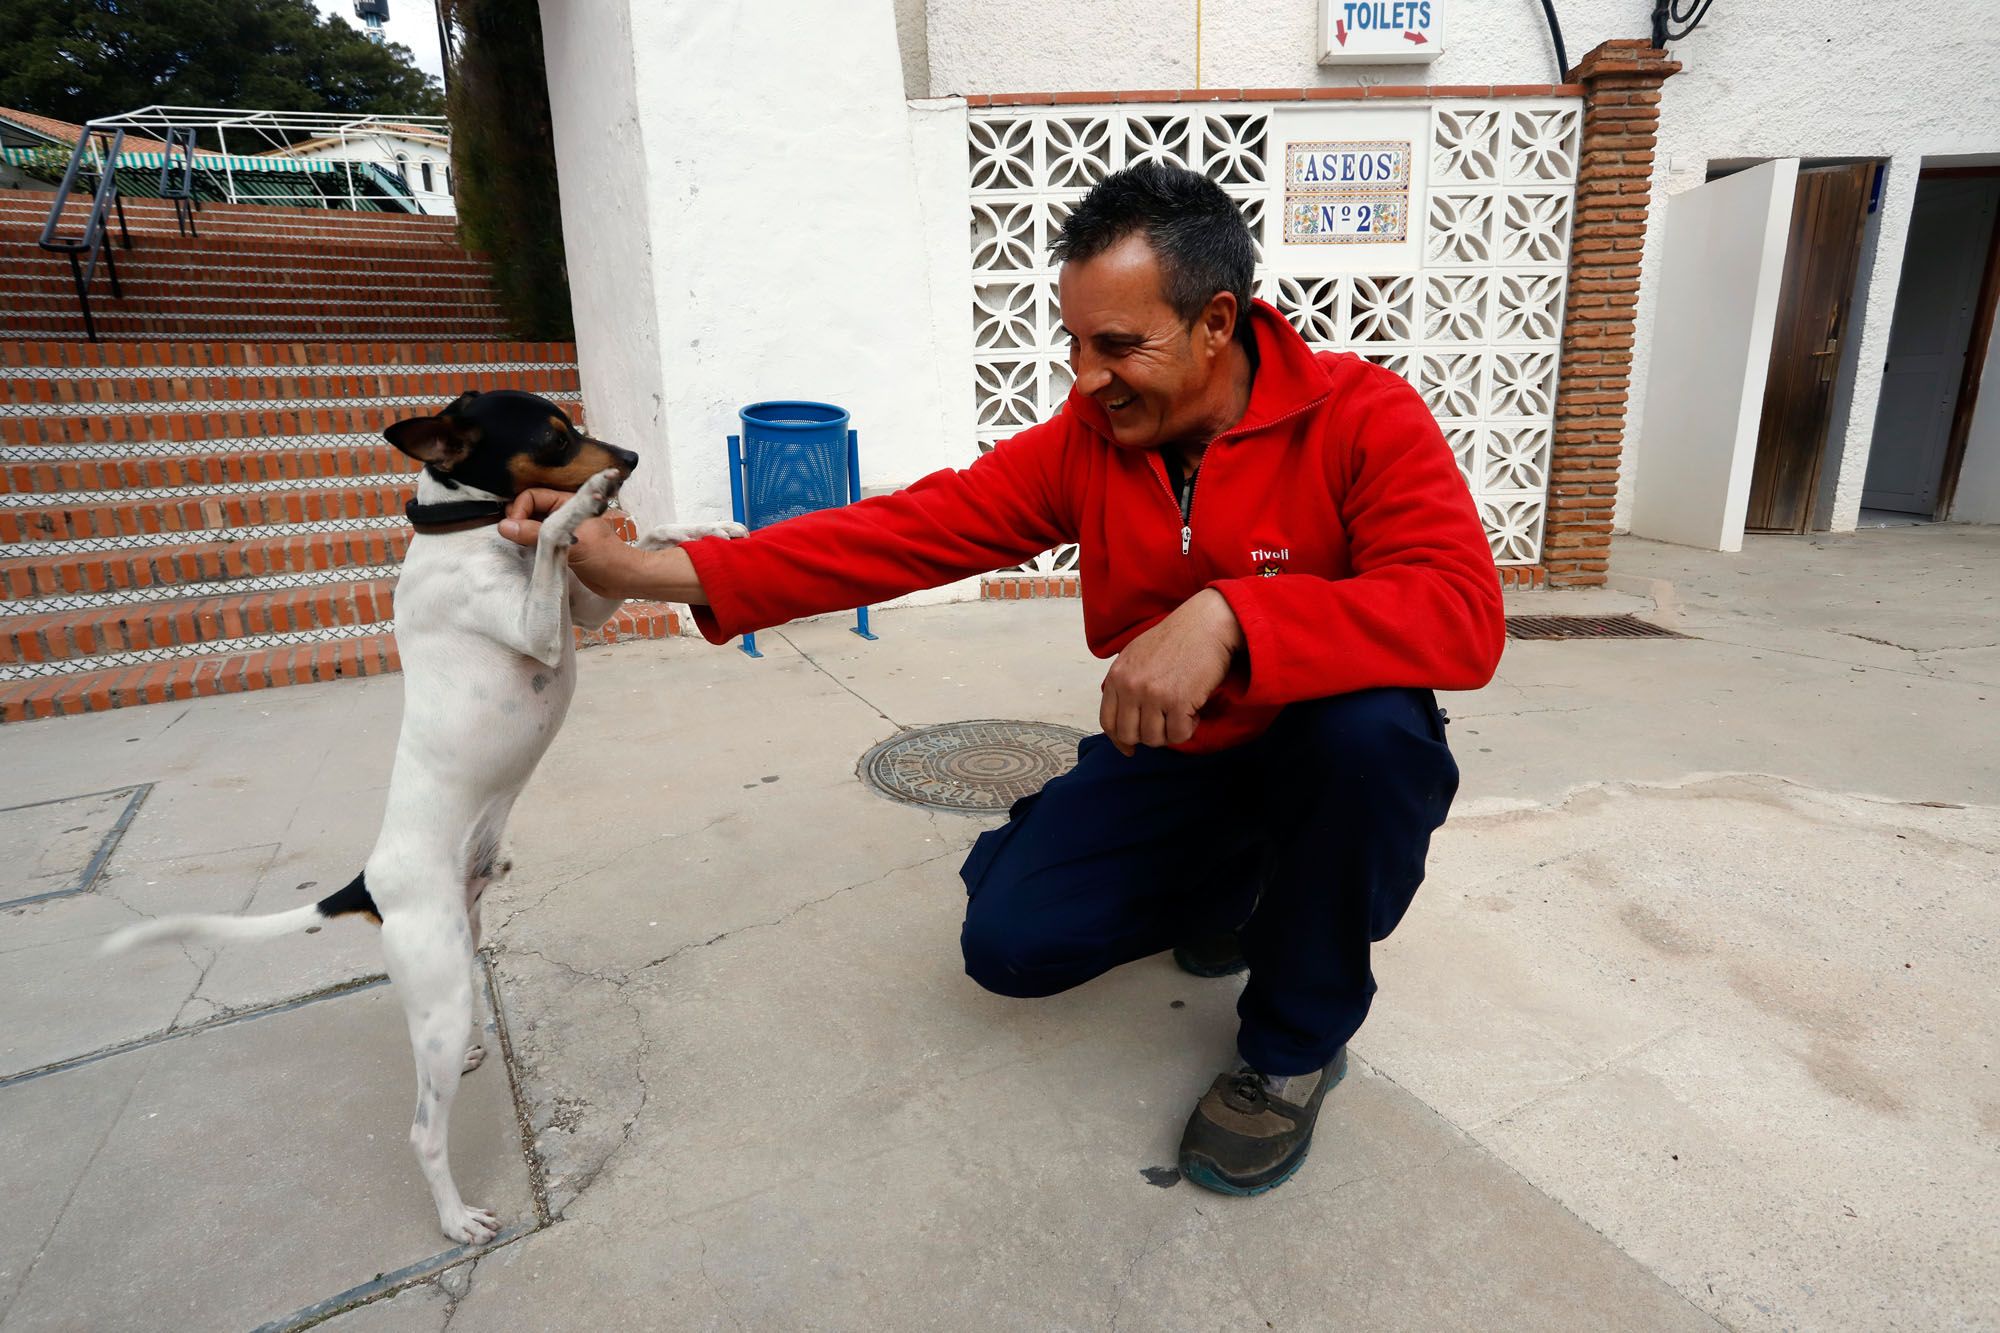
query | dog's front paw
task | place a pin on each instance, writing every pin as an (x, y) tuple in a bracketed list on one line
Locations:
[(591, 499), (673, 534), (594, 496), (475, 1056), (469, 1225)]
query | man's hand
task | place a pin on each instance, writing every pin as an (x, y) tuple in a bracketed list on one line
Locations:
[(600, 559), (1159, 683)]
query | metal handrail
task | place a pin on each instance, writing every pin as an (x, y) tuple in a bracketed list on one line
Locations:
[(183, 195), (91, 242)]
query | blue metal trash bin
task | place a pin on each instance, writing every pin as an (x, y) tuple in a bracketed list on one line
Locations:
[(793, 458)]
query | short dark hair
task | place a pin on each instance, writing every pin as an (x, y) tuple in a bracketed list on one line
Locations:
[(1197, 231)]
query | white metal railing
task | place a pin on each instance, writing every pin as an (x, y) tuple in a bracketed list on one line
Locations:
[(318, 142)]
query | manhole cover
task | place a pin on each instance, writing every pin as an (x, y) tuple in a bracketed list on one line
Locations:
[(1586, 627), (970, 767)]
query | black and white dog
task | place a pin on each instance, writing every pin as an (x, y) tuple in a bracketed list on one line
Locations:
[(489, 664)]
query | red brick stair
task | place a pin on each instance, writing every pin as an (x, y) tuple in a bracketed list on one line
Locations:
[(215, 509), (251, 272)]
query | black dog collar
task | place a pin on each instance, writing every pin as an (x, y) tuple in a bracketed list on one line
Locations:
[(455, 515)]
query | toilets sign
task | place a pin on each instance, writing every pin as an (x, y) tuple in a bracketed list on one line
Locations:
[(1380, 32)]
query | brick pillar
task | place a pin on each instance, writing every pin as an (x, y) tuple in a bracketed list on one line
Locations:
[(1621, 116)]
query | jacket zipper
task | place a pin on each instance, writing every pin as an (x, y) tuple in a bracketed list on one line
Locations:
[(1184, 502), (1187, 509)]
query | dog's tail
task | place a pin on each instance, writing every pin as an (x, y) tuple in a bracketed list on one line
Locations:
[(223, 929)]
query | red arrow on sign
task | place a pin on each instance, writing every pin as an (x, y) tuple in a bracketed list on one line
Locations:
[(1416, 37), (1340, 31)]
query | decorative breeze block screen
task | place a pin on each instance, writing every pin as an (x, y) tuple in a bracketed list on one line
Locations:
[(1463, 297)]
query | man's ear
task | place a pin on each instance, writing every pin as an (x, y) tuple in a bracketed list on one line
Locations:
[(441, 441), (1221, 316)]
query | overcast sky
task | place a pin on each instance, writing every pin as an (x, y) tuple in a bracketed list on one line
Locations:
[(413, 23)]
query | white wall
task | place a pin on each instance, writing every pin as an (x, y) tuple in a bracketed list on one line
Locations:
[(1978, 498), (796, 229), (601, 153), (1843, 78), (788, 241), (1025, 46)]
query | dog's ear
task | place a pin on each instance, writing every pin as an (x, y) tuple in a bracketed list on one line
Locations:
[(442, 441)]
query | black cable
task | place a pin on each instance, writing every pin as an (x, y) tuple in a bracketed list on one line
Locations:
[(1556, 36)]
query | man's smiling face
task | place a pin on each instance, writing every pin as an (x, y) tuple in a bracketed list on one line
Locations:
[(1132, 352)]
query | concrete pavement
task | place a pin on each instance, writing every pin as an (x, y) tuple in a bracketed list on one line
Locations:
[(1691, 1024)]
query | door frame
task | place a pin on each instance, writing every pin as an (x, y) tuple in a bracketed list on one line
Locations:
[(1975, 349)]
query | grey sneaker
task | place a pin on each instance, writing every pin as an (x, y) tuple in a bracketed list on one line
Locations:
[(1249, 1133)]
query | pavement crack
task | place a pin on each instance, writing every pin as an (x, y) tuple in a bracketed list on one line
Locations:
[(55, 1224), (500, 948), (1886, 643), (215, 955), (815, 664), (787, 916), (1229, 1261), (580, 1185), (701, 1262), (1715, 636), (581, 875), (456, 1284), (1132, 1272)]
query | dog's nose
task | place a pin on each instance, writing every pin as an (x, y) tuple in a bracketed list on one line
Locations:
[(626, 458)]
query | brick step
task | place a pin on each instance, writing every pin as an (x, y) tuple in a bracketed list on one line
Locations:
[(253, 306), (248, 246), (153, 327), (105, 688), (289, 304), (323, 222), (65, 578), (195, 624), (17, 256), (209, 514), (274, 387), (54, 359), (101, 689), (198, 284), (240, 468), (327, 257), (148, 571), (243, 423), (387, 307), (31, 641), (144, 231)]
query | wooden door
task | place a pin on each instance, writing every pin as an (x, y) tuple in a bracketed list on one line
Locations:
[(1813, 305)]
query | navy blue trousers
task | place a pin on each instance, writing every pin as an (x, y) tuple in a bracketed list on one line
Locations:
[(1309, 841)]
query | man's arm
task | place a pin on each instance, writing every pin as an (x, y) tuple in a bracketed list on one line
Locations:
[(1423, 606), (1009, 505)]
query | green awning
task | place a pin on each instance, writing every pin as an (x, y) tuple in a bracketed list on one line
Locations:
[(283, 182), (203, 161)]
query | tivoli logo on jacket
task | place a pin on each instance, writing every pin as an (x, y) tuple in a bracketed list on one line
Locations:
[(1270, 562)]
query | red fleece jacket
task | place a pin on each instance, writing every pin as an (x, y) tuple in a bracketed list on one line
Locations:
[(1332, 518)]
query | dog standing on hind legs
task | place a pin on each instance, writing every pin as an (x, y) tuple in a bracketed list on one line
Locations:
[(489, 664)]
